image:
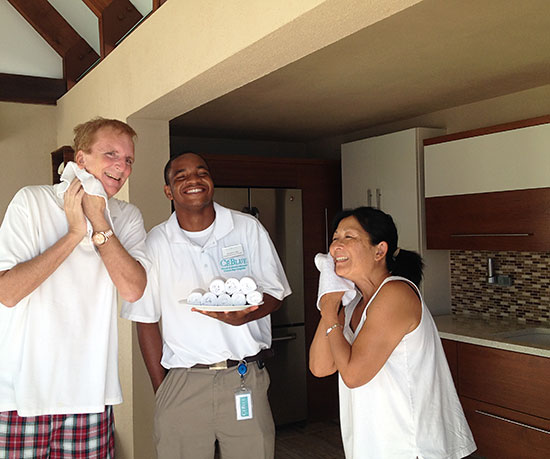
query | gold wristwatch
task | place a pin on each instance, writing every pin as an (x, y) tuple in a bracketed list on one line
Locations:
[(101, 237)]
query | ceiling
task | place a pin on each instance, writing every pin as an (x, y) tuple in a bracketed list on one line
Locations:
[(434, 55), (431, 56), (46, 46)]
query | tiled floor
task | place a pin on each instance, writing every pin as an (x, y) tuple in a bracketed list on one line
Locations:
[(308, 440), (311, 440)]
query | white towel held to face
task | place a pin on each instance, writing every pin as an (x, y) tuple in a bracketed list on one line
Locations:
[(329, 281)]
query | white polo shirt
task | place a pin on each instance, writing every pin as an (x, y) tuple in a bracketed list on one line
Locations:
[(58, 345), (238, 246)]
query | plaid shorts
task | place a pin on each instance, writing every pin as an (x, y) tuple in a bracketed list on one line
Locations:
[(77, 436)]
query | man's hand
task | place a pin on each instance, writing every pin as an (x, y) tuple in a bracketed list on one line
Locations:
[(94, 209), (72, 205), (230, 317)]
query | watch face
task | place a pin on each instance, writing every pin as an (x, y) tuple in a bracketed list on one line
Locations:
[(99, 238)]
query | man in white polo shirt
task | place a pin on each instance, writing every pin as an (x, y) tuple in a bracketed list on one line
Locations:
[(64, 252), (194, 366)]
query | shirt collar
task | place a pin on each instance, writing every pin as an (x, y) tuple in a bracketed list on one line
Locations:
[(223, 225)]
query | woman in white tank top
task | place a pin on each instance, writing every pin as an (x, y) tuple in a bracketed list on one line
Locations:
[(397, 398)]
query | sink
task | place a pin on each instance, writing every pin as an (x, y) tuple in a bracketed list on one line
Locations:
[(535, 336)]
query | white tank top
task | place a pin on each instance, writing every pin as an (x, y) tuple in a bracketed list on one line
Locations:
[(410, 409)]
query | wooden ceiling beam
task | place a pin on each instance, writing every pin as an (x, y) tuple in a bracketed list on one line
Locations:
[(157, 4), (30, 89), (77, 55), (116, 19)]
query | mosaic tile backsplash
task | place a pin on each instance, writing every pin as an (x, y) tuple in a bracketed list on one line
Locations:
[(527, 300)]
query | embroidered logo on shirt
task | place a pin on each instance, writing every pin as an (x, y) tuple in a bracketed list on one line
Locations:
[(233, 264)]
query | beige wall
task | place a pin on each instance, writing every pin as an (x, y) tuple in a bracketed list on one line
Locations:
[(27, 137)]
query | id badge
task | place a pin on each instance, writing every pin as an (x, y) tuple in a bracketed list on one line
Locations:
[(243, 404)]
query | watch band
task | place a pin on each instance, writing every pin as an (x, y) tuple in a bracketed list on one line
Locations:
[(332, 327)]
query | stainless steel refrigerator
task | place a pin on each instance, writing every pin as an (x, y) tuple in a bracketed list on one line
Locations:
[(280, 212)]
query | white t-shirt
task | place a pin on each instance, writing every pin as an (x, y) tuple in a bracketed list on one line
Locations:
[(410, 409), (58, 345), (238, 246)]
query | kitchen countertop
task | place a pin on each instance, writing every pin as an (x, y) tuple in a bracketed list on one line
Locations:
[(480, 331)]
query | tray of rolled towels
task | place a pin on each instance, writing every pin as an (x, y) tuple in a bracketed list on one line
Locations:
[(229, 294)]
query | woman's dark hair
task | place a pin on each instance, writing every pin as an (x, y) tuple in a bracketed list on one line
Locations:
[(380, 227)]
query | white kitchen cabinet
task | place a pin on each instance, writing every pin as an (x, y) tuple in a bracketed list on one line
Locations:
[(514, 159), (489, 191), (387, 172)]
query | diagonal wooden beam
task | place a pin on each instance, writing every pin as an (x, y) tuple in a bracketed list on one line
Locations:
[(157, 4), (30, 89), (77, 55), (116, 19)]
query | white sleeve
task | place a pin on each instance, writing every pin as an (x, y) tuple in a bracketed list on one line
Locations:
[(147, 308), (17, 244), (131, 234)]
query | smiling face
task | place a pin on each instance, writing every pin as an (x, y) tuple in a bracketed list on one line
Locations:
[(354, 255), (190, 184), (110, 158)]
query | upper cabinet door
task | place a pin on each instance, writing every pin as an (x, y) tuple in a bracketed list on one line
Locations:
[(490, 192), (510, 160), (384, 172)]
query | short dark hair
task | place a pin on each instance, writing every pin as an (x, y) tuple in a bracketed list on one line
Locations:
[(381, 227), (176, 156)]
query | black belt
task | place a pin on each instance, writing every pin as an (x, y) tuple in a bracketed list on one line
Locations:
[(225, 364)]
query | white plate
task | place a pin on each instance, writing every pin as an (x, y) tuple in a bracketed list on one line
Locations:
[(216, 308)]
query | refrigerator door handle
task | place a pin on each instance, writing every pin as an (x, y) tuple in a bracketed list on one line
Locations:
[(289, 337)]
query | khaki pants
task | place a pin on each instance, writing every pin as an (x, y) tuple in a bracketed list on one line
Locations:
[(196, 407)]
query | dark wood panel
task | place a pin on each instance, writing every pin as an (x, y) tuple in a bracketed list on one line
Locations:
[(498, 438), (30, 89), (451, 352), (320, 182), (157, 4), (466, 222), (516, 381), (60, 156), (488, 130), (115, 21)]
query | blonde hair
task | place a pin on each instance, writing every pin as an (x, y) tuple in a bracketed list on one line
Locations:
[(84, 134)]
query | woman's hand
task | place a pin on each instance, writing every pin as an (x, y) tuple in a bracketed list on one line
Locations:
[(330, 304)]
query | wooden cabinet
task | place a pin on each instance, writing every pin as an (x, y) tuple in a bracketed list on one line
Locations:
[(489, 190), (508, 220), (387, 172), (506, 399)]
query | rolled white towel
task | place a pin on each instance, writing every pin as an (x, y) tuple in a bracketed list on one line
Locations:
[(238, 299), (247, 284), (217, 286), (254, 297), (209, 299), (232, 285), (329, 281), (224, 299), (195, 297)]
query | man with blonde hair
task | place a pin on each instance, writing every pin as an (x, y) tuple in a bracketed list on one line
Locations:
[(64, 252)]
